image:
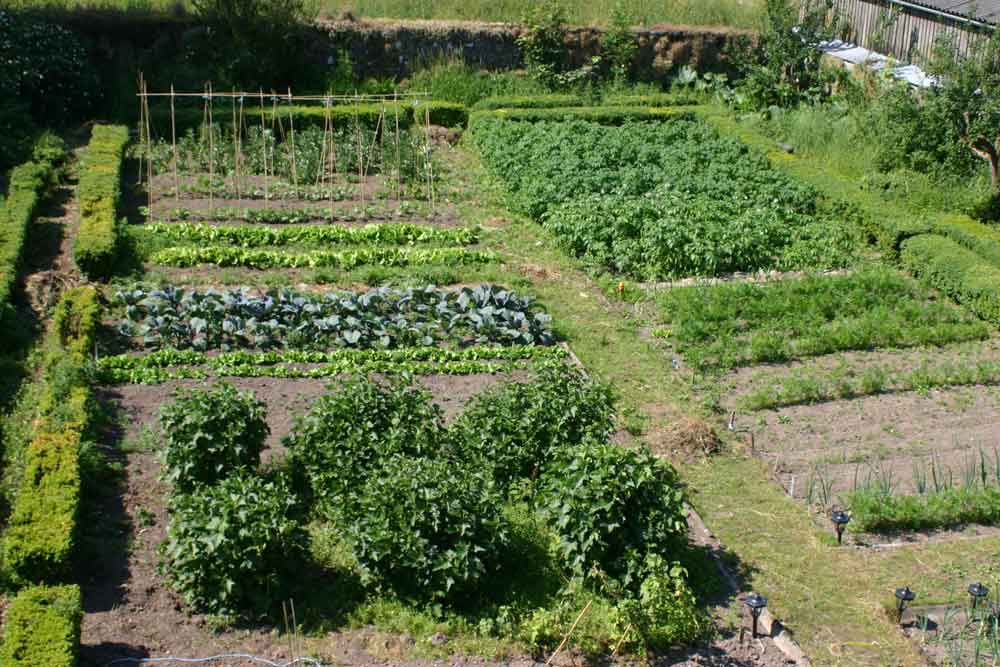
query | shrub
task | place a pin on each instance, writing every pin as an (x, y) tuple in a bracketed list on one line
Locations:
[(448, 114), (39, 542), (99, 192), (607, 115), (651, 100), (428, 528), (982, 239), (43, 628), (551, 101), (956, 271), (231, 548), (512, 430), (349, 434), (210, 434), (543, 42), (663, 611), (610, 507)]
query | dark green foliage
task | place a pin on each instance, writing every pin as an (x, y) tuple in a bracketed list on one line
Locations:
[(513, 430), (782, 65), (27, 186), (210, 434), (663, 200), (663, 610), (956, 271), (543, 43), (232, 548), (348, 435), (44, 68), (651, 100), (96, 246), (737, 324), (604, 115), (342, 115), (43, 628), (427, 527), (552, 101), (618, 46), (610, 507), (448, 114), (254, 43)]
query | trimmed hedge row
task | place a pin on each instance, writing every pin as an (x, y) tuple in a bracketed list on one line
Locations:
[(449, 114), (99, 193), (43, 628), (39, 542), (27, 187), (956, 271), (652, 100), (601, 115), (530, 102), (981, 239)]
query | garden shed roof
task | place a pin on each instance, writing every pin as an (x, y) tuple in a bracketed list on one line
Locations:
[(983, 10)]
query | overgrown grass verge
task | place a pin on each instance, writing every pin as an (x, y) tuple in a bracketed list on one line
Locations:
[(27, 186), (805, 385), (99, 193), (725, 326)]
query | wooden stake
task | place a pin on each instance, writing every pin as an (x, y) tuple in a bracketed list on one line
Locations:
[(211, 150), (430, 163), (361, 158), (263, 142), (399, 166), (291, 130), (173, 144), (569, 634), (236, 150), (149, 147)]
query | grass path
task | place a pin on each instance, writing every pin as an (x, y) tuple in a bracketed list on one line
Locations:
[(831, 599)]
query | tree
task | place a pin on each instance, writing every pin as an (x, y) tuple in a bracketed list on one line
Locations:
[(970, 93), (256, 42)]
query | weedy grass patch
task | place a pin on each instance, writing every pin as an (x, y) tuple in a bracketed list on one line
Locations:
[(720, 327)]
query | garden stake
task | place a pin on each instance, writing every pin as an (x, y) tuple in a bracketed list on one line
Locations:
[(399, 169), (211, 150), (263, 143), (903, 595), (569, 634), (291, 132), (361, 157), (173, 144)]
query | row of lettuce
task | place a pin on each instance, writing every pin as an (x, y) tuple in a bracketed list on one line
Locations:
[(42, 625)]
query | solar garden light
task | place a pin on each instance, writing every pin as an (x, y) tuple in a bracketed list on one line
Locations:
[(903, 595), (976, 592), (756, 602), (840, 520)]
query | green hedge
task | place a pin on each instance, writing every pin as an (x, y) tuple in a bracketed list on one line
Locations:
[(956, 271), (27, 187), (344, 114), (99, 193), (652, 100), (530, 102), (43, 628), (601, 115), (448, 114), (981, 239), (39, 542)]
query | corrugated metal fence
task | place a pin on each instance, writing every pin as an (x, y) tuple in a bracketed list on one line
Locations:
[(904, 32)]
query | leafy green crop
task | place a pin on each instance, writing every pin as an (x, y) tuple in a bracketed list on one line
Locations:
[(611, 506), (512, 430), (661, 200), (397, 233), (211, 433), (379, 318), (232, 548), (426, 526), (346, 436), (226, 256)]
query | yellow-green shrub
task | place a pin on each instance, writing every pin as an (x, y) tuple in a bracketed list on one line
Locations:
[(43, 628), (99, 193)]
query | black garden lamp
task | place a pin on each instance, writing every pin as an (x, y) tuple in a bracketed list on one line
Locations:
[(756, 602), (840, 520), (977, 591), (903, 595)]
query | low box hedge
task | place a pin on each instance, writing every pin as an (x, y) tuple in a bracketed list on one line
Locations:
[(39, 542), (956, 271), (342, 114), (27, 186), (43, 628), (448, 114), (530, 102), (99, 193), (977, 237), (601, 115), (652, 100)]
